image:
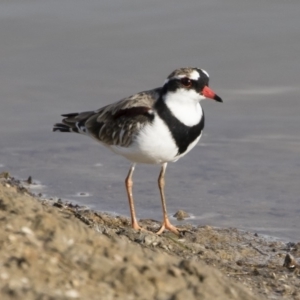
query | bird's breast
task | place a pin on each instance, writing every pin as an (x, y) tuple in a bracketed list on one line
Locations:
[(156, 142)]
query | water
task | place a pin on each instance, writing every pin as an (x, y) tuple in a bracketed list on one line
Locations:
[(67, 56)]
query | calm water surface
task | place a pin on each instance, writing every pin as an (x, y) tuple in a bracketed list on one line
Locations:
[(67, 56)]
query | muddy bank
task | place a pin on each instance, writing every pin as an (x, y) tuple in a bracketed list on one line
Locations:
[(53, 250)]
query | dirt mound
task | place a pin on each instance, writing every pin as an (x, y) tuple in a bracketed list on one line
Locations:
[(66, 252)]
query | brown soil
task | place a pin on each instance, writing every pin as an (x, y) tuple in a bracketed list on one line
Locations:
[(54, 250)]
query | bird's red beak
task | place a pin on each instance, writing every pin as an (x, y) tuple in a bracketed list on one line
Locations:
[(209, 93)]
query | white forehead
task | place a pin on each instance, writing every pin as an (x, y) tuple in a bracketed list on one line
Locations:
[(193, 75)]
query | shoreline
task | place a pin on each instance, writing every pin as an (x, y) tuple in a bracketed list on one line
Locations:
[(57, 250)]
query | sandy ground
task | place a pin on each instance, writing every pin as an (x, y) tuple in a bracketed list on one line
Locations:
[(55, 250)]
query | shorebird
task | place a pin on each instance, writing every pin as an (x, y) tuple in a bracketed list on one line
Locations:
[(157, 126)]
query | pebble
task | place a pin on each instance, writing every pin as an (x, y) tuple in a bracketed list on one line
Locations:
[(72, 294), (27, 230), (181, 215), (290, 261), (151, 239)]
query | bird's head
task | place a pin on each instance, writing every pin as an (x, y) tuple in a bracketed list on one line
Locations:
[(189, 83)]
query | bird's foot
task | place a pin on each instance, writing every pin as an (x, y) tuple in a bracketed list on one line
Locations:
[(167, 225), (137, 227)]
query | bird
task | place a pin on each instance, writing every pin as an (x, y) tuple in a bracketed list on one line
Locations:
[(156, 126)]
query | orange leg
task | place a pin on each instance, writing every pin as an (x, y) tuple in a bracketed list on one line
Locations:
[(129, 184), (166, 222)]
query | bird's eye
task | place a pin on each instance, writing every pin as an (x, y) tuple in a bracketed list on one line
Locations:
[(186, 82)]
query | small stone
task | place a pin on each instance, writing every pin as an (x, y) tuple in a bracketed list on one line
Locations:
[(174, 272), (118, 258), (240, 262), (24, 280), (181, 215), (273, 275), (27, 230), (151, 239), (165, 247), (4, 276), (72, 294), (29, 180), (255, 272), (9, 227), (12, 237), (4, 175), (207, 227), (290, 262)]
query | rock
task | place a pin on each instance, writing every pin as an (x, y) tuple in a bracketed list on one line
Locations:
[(181, 215), (4, 175), (290, 262), (29, 180)]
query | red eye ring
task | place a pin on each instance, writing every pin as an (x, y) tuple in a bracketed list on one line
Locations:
[(186, 82)]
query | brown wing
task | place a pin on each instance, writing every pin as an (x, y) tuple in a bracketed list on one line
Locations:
[(114, 124)]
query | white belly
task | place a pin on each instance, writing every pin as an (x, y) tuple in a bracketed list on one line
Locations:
[(153, 145)]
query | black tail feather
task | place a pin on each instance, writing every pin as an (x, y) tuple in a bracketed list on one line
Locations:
[(73, 122), (70, 115), (63, 128)]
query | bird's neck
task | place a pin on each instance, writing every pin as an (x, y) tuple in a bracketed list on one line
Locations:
[(183, 107), (183, 134)]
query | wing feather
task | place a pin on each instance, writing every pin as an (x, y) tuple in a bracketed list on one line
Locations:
[(114, 124)]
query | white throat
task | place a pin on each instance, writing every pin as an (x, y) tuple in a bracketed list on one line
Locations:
[(184, 105)]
